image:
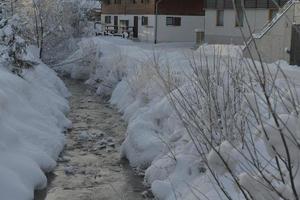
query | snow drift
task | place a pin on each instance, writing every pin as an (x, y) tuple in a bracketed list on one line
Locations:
[(161, 134), (32, 121), (33, 105)]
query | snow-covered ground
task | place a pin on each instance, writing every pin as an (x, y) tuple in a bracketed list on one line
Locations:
[(33, 105), (158, 140), (32, 121)]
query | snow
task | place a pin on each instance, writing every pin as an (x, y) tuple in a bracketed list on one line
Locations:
[(250, 183), (157, 139), (227, 152), (33, 107)]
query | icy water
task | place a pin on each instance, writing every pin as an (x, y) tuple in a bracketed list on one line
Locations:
[(90, 167)]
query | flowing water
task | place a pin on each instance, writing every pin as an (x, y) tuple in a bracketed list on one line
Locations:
[(90, 167)]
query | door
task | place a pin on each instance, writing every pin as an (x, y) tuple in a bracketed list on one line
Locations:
[(295, 46), (136, 27), (116, 23)]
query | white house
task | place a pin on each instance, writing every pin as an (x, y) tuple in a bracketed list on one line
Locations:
[(155, 20), (224, 25)]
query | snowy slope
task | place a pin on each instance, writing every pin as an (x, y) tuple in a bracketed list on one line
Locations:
[(32, 122), (157, 140)]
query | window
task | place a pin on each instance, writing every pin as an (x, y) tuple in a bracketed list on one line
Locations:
[(220, 17), (239, 19), (107, 19), (272, 13), (144, 21), (173, 21), (124, 24)]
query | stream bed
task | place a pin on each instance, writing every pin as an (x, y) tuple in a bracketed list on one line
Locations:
[(90, 167)]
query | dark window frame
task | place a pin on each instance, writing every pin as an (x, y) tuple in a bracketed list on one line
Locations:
[(107, 19), (145, 21), (272, 13), (218, 22), (239, 17), (173, 21)]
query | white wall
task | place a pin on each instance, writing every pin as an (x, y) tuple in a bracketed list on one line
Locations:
[(229, 33), (121, 17), (273, 44), (183, 33), (146, 33)]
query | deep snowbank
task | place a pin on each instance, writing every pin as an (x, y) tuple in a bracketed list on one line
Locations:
[(33, 105), (157, 140), (125, 70), (32, 120)]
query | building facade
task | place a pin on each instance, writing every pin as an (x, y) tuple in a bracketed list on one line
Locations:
[(156, 20), (280, 39), (224, 25)]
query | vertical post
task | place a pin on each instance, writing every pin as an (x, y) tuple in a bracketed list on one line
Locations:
[(156, 20), (125, 7)]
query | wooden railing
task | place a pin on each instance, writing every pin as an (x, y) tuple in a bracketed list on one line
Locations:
[(123, 31)]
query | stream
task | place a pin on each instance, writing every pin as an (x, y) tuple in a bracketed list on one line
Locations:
[(90, 167)]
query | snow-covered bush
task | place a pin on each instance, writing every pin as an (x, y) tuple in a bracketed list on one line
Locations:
[(242, 118), (221, 113), (82, 62), (33, 106), (50, 23), (14, 48), (32, 121), (203, 124)]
